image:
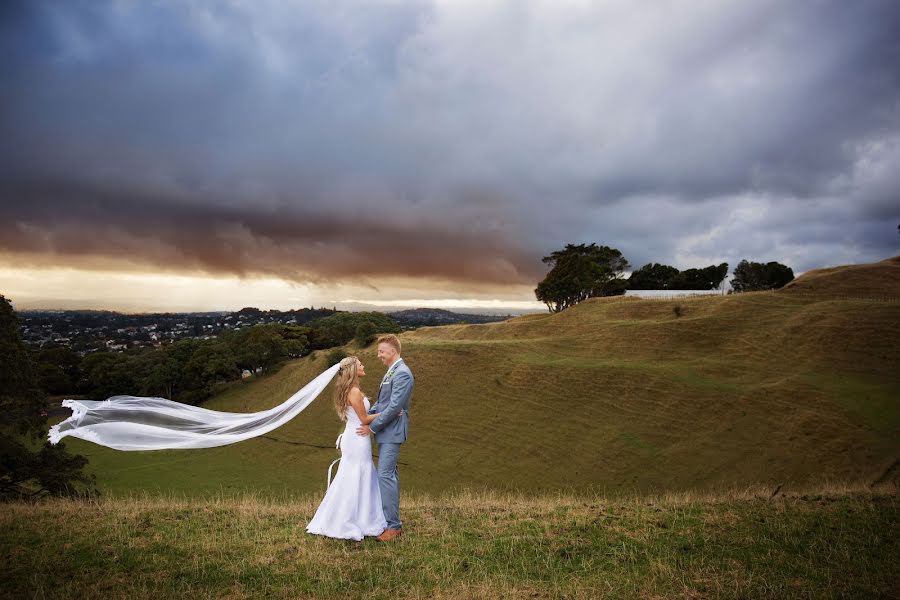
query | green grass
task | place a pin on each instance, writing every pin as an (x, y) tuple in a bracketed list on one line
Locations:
[(614, 394), (830, 543)]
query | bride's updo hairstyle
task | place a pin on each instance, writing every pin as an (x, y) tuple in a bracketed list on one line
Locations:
[(346, 377)]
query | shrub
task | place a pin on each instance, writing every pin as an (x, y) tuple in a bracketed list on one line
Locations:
[(335, 356)]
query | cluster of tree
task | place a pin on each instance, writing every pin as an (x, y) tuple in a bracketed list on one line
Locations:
[(26, 472), (754, 276), (340, 328), (655, 276), (578, 272), (191, 370), (187, 370)]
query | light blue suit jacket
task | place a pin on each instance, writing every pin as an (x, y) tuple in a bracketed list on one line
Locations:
[(394, 396)]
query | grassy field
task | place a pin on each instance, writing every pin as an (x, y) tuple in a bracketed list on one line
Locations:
[(826, 543), (613, 396)]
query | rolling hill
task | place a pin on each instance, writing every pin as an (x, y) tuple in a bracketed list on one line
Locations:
[(615, 395), (881, 279)]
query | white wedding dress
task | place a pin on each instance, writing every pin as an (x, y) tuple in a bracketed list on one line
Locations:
[(351, 508)]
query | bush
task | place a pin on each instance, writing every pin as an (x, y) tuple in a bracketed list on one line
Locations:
[(677, 310), (335, 356)]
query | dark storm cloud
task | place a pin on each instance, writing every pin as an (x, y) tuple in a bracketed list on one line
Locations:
[(79, 222), (301, 139)]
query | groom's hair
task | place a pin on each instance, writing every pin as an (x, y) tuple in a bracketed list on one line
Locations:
[(391, 340)]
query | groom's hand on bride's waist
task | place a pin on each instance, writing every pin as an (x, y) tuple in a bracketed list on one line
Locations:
[(365, 430)]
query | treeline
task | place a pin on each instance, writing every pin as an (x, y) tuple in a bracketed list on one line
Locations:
[(192, 370), (582, 271)]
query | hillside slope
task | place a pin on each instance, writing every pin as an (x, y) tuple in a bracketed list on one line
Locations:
[(873, 280), (615, 394)]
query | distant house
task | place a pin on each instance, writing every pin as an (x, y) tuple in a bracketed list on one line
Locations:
[(245, 374)]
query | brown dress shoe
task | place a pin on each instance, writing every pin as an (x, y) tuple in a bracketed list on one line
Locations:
[(389, 534)]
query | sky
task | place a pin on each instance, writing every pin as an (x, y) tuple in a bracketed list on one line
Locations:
[(215, 154)]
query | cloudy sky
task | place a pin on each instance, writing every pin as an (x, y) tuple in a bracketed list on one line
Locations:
[(207, 154)]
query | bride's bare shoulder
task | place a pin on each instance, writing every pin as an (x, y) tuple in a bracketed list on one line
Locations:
[(355, 392)]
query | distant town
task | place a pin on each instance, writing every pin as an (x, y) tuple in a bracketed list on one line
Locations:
[(87, 331)]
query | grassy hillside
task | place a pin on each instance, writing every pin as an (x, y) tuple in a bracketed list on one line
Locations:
[(875, 280), (614, 395), (831, 543)]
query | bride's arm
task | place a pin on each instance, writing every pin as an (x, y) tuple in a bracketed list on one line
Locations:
[(356, 401)]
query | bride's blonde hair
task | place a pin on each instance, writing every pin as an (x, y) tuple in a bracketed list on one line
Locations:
[(346, 379)]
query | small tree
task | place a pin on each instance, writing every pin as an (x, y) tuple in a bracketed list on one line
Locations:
[(335, 356), (579, 272)]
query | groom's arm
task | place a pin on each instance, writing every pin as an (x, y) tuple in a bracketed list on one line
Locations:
[(400, 390)]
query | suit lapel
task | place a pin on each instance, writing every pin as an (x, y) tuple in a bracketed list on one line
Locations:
[(386, 381), (387, 376)]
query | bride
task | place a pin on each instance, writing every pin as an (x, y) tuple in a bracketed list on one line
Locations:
[(351, 508)]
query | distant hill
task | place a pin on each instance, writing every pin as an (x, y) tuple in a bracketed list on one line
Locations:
[(615, 394)]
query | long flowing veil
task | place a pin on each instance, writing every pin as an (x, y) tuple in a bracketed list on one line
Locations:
[(144, 423)]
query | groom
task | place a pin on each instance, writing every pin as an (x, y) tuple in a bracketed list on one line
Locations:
[(390, 429)]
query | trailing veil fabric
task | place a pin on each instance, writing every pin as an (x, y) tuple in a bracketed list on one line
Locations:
[(142, 423)]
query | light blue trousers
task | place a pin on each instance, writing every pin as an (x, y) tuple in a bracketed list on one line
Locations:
[(389, 483)]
